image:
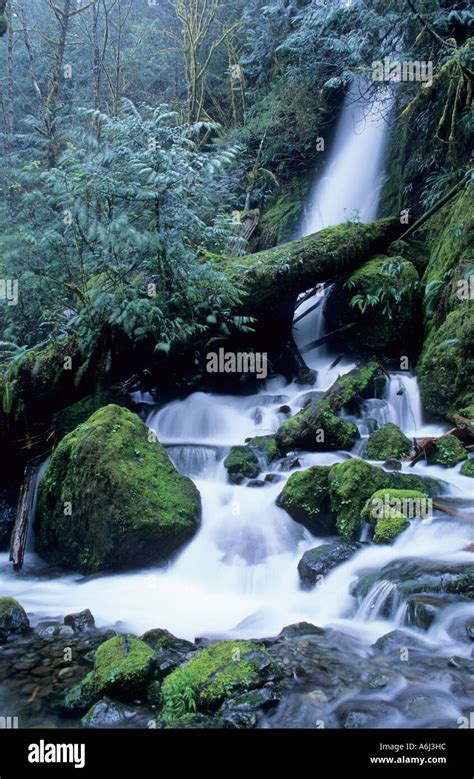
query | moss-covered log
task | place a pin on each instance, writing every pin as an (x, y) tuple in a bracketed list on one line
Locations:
[(54, 376)]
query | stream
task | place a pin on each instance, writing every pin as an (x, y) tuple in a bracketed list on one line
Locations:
[(238, 576)]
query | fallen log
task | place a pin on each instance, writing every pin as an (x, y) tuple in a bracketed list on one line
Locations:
[(23, 514)]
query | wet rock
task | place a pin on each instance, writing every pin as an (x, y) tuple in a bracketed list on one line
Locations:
[(241, 463), (368, 715), (300, 629), (13, 618), (273, 478), (288, 463), (154, 693), (242, 712), (123, 666), (79, 698), (143, 508), (81, 621), (159, 638), (53, 629), (422, 610), (111, 714), (257, 483), (387, 442), (392, 465), (317, 563), (305, 497), (418, 577), (397, 640), (284, 409), (215, 674)]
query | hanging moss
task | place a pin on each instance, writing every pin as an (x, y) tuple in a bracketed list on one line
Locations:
[(446, 365)]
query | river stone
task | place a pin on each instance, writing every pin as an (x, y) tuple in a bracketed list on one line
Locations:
[(305, 497), (111, 714), (81, 621), (241, 463), (317, 563), (123, 667), (242, 712), (388, 441), (418, 577), (13, 618), (392, 464), (111, 498), (422, 610)]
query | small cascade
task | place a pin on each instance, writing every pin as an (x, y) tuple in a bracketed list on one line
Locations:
[(405, 407), (352, 179)]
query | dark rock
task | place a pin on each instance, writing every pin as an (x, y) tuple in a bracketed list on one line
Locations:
[(288, 463), (392, 464), (242, 712), (13, 618), (273, 478), (50, 629), (284, 409), (317, 563), (256, 483), (159, 638), (7, 518), (81, 621), (110, 714)]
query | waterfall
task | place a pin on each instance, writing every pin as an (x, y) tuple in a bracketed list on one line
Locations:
[(350, 185), (238, 576)]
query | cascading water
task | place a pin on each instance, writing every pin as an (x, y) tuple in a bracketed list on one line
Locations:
[(238, 576)]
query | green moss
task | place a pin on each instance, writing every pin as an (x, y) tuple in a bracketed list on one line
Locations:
[(381, 299), (467, 468), (13, 618), (216, 673), (111, 498), (387, 442), (122, 668), (447, 451), (70, 417), (446, 364), (353, 482), (81, 697), (267, 445), (241, 463), (305, 497), (389, 525), (317, 428)]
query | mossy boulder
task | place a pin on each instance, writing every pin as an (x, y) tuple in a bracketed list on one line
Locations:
[(305, 497), (13, 618), (241, 463), (265, 445), (69, 418), (317, 428), (123, 667), (467, 468), (446, 364), (213, 675), (79, 698), (387, 442), (394, 285), (392, 509), (448, 451), (353, 482), (111, 498)]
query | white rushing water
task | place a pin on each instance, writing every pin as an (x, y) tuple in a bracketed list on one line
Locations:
[(238, 576)]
